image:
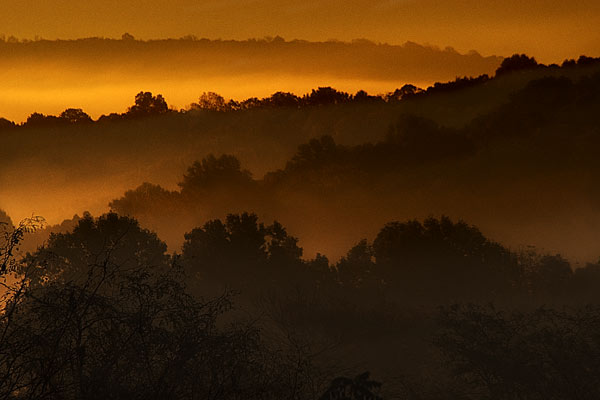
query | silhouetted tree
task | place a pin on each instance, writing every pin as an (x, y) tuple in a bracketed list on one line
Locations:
[(439, 260), (6, 124), (282, 99), (75, 116), (405, 92), (147, 105), (359, 388), (106, 242), (362, 96), (242, 253), (544, 354), (213, 172), (419, 139), (146, 198), (356, 268), (41, 120), (457, 84), (126, 327), (325, 95), (10, 239), (516, 62), (210, 101)]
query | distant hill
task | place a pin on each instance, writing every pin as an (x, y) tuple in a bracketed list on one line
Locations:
[(507, 152)]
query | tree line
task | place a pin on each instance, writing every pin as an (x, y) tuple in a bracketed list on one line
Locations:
[(148, 105)]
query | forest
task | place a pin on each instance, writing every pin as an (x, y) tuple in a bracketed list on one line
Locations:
[(428, 243)]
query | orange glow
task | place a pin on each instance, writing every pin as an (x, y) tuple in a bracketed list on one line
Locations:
[(99, 98)]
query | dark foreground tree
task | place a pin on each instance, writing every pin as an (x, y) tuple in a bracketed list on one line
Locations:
[(358, 388), (124, 327), (110, 241), (543, 354)]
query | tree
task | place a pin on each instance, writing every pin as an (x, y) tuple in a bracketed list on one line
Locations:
[(405, 92), (438, 260), (356, 268), (11, 237), (126, 328), (242, 253), (75, 116), (326, 95), (516, 62), (213, 172), (144, 200), (5, 124), (358, 388), (315, 153), (107, 242), (282, 99), (210, 101), (542, 354), (148, 105), (130, 333), (40, 120)]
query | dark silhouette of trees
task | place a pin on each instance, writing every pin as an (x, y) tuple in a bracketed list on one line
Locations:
[(325, 95), (315, 152), (419, 140), (356, 269), (358, 388), (581, 61), (10, 239), (440, 259), (210, 101), (543, 354), (6, 124), (242, 253), (363, 97), (129, 334), (102, 304), (405, 92), (145, 199), (126, 327), (75, 116), (127, 37), (282, 99), (102, 311), (106, 242), (457, 84), (516, 62), (70, 116), (148, 105), (213, 172), (39, 120)]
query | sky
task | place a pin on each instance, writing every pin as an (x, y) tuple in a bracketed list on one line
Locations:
[(551, 30)]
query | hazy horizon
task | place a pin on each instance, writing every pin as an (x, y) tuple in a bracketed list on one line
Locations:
[(536, 27), (102, 75)]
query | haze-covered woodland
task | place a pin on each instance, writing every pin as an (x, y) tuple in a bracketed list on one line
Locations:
[(426, 243)]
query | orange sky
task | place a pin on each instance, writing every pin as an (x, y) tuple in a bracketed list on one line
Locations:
[(549, 29)]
